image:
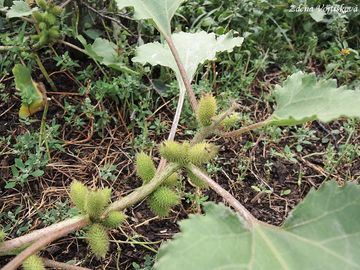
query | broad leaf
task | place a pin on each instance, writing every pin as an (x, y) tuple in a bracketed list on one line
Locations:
[(318, 14), (2, 7), (160, 11), (32, 98), (302, 98), (193, 48), (105, 53), (20, 9), (323, 232)]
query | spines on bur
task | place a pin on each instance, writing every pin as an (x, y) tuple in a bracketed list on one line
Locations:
[(34, 262), (78, 194), (171, 181), (145, 167), (206, 110), (114, 219), (98, 240), (174, 152), (162, 200), (96, 202), (201, 153), (230, 121)]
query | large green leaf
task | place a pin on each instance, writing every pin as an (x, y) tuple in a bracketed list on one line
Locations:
[(20, 9), (32, 98), (193, 48), (160, 11), (105, 53), (302, 98), (323, 232)]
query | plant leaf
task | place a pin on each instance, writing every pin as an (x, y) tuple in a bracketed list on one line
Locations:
[(160, 11), (2, 7), (193, 48), (105, 52), (20, 9), (302, 99), (321, 233), (31, 97)]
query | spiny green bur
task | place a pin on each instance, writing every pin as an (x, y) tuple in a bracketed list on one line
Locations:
[(114, 219), (41, 3), (96, 202), (196, 180), (174, 152), (145, 167), (206, 110), (98, 240), (171, 181), (2, 235), (34, 262), (201, 153), (78, 194), (47, 23), (162, 200), (230, 121)]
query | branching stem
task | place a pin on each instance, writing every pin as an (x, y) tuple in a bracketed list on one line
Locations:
[(239, 132), (183, 73), (249, 219)]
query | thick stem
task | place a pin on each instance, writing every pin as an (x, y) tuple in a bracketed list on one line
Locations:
[(71, 225), (59, 265), (249, 219), (238, 132), (35, 235), (44, 72), (42, 242), (176, 120), (183, 73)]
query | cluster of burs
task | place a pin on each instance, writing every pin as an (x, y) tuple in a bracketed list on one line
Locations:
[(184, 154), (47, 22), (93, 203)]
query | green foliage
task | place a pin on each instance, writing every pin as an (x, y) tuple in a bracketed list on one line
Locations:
[(114, 219), (98, 240), (191, 56), (206, 110), (34, 262), (30, 157), (145, 167), (201, 153), (78, 194), (160, 11), (105, 52), (32, 98), (318, 233), (302, 98), (19, 9), (174, 152), (162, 200)]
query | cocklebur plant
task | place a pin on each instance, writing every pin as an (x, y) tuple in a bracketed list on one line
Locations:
[(164, 197), (234, 240), (93, 203), (47, 22)]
